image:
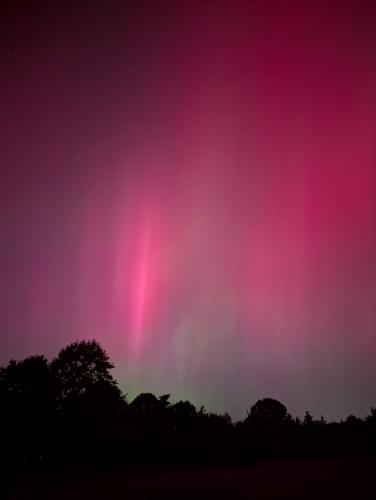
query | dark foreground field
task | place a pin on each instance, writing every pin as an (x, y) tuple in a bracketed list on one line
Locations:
[(326, 479)]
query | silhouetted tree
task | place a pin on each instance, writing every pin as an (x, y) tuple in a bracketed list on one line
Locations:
[(90, 405), (164, 401), (308, 419), (145, 405), (183, 410), (83, 379), (371, 418), (27, 406), (268, 412), (322, 420), (353, 420), (26, 386)]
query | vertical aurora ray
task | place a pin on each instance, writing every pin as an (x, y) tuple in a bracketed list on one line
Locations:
[(140, 294), (134, 279)]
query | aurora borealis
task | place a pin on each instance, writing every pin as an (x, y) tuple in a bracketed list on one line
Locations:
[(193, 184)]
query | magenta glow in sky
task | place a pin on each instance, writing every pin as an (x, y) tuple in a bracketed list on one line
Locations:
[(193, 184)]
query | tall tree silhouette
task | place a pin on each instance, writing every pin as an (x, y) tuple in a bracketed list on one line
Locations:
[(83, 379)]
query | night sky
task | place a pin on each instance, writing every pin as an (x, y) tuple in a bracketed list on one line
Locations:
[(193, 184)]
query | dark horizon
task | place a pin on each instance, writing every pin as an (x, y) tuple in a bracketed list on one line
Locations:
[(68, 432)]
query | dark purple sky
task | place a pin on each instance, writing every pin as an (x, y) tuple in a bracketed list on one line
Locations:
[(193, 184)]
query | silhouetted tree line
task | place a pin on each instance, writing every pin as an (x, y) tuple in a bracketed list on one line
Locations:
[(72, 410)]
